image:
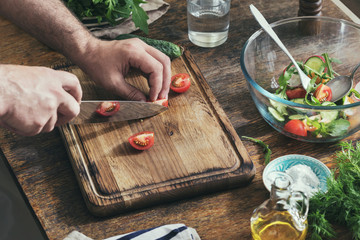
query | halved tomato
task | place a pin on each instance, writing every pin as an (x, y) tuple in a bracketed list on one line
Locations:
[(298, 92), (296, 126), (108, 108), (323, 93), (180, 82), (142, 140), (161, 101)]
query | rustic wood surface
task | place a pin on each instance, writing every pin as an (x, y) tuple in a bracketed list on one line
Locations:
[(196, 149), (43, 168)]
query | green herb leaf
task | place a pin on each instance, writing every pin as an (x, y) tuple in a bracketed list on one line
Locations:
[(266, 148), (338, 127), (341, 203), (328, 65), (139, 16), (356, 93)]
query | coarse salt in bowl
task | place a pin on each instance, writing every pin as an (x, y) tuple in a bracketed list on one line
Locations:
[(308, 174)]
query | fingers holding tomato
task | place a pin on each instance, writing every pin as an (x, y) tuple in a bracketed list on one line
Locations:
[(161, 101)]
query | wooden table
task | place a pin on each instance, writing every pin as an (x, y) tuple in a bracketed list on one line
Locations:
[(42, 166)]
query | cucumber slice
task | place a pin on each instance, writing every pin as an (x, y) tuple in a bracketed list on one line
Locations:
[(299, 100), (329, 115), (281, 108), (276, 114), (315, 64), (297, 116)]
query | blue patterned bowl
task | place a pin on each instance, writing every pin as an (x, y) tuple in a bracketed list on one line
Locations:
[(281, 164)]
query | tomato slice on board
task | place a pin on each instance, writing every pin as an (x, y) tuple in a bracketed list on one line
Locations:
[(161, 101), (180, 82), (142, 140), (323, 93), (108, 108), (296, 126), (298, 92)]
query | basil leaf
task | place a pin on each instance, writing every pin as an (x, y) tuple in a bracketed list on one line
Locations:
[(139, 16), (338, 127)]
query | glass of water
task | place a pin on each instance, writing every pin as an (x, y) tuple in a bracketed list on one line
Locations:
[(208, 22)]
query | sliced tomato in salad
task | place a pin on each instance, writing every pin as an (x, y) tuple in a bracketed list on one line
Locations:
[(296, 126), (323, 93), (142, 140), (180, 82), (107, 108), (161, 101), (298, 92)]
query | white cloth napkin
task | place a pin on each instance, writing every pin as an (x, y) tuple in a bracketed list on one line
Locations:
[(165, 232), (154, 9)]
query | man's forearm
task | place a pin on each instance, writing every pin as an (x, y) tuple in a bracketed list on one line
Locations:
[(50, 22)]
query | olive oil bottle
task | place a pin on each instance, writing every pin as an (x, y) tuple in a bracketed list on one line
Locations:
[(283, 216)]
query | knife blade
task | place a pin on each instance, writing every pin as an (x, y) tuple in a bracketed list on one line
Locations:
[(129, 110)]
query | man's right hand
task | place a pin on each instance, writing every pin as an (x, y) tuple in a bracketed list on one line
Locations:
[(36, 99)]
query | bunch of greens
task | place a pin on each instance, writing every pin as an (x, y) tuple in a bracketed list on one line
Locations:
[(341, 203), (110, 10)]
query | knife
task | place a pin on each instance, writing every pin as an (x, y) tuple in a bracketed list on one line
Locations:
[(121, 111)]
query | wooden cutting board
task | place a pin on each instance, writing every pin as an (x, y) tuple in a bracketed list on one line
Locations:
[(196, 149)]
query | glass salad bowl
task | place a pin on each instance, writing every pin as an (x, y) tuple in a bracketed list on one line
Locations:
[(324, 48)]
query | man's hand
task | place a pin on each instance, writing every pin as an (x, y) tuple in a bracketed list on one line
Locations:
[(36, 99), (107, 63)]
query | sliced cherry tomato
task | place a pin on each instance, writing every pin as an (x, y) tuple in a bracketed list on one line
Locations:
[(180, 82), (161, 101), (142, 140), (323, 93), (296, 127), (298, 92), (108, 108)]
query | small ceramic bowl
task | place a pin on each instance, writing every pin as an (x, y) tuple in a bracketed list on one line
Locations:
[(279, 165)]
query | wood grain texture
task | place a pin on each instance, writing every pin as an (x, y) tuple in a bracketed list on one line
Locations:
[(196, 150), (43, 167)]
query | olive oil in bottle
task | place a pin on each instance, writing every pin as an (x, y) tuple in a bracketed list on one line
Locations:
[(276, 225), (283, 216)]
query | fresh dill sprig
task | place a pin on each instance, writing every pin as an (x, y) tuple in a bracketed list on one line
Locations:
[(341, 203)]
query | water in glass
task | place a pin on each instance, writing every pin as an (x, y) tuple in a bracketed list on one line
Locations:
[(208, 22)]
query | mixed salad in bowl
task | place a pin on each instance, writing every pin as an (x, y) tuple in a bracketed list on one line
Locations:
[(302, 122)]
